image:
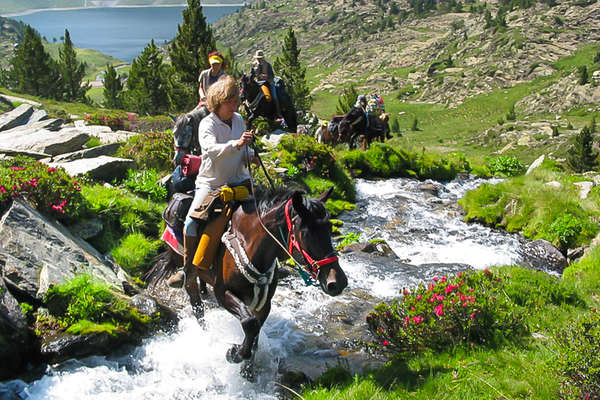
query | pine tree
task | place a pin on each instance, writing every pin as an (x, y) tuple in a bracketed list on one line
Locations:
[(395, 126), (415, 125), (71, 72), (292, 72), (112, 88), (346, 100), (233, 67), (146, 86), (583, 75), (32, 70), (189, 50), (581, 157)]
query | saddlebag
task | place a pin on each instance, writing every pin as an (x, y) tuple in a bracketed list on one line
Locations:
[(177, 209)]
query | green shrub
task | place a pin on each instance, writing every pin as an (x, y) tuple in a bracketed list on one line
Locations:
[(505, 166), (146, 183), (336, 207), (565, 230), (150, 150), (348, 238), (135, 252), (93, 142), (116, 121), (153, 123), (84, 298), (579, 358), (469, 308), (51, 190)]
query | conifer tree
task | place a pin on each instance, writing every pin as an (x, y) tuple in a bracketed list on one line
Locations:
[(346, 100), (581, 157), (112, 88), (190, 48), (32, 70), (146, 86), (71, 72), (233, 67), (395, 126), (583, 75), (293, 73)]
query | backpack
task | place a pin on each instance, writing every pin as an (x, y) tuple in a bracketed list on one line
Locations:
[(177, 209)]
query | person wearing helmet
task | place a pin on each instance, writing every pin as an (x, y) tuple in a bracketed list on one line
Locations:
[(263, 71), (211, 75), (361, 102)]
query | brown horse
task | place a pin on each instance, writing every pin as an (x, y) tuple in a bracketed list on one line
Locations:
[(245, 286), (354, 124)]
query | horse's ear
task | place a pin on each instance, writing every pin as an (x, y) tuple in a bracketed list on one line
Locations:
[(298, 203), (174, 118), (325, 195)]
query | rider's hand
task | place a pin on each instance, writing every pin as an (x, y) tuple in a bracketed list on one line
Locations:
[(245, 139)]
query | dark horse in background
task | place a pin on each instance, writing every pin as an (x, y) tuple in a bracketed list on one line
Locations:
[(256, 103), (354, 124), (287, 214)]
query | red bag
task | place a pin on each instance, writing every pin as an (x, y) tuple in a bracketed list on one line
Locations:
[(190, 164)]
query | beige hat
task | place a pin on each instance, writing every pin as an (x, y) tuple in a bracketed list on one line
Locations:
[(259, 54)]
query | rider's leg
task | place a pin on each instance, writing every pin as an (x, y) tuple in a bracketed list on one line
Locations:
[(191, 237)]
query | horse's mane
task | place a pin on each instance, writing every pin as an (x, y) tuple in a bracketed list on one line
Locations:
[(268, 199)]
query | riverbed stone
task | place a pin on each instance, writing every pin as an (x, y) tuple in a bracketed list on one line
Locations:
[(51, 124), (554, 184), (103, 168), (37, 252), (15, 117), (538, 161), (542, 255), (15, 340), (376, 247)]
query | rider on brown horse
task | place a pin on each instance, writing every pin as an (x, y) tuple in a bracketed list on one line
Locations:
[(263, 71)]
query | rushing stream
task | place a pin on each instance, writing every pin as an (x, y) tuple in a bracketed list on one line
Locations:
[(306, 330)]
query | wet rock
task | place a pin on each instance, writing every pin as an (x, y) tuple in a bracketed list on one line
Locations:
[(15, 117), (63, 346), (15, 339), (431, 188), (153, 308), (538, 161), (376, 247), (12, 390), (101, 168), (584, 188), (574, 254), (88, 228), (542, 255), (38, 252)]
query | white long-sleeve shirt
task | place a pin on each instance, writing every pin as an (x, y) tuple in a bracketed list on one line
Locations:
[(222, 162)]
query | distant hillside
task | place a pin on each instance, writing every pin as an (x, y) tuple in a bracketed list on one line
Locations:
[(19, 6), (11, 33), (441, 56)]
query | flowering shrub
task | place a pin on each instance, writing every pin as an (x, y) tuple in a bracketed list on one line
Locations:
[(51, 190), (150, 150), (121, 121), (579, 358), (153, 123), (468, 308)]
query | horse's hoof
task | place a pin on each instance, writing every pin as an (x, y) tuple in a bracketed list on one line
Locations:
[(233, 354), (198, 311), (248, 371)]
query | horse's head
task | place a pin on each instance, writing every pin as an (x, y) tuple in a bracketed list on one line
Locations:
[(312, 231)]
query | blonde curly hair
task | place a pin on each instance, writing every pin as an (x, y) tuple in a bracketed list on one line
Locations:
[(222, 91)]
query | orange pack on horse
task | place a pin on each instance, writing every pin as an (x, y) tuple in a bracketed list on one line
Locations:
[(244, 272)]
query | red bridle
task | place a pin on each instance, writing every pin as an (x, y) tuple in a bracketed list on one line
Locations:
[(312, 266)]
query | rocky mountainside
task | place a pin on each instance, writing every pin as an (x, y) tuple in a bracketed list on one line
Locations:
[(11, 33), (440, 57)]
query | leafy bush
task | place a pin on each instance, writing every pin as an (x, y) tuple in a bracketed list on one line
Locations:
[(564, 231), (506, 166), (52, 191), (135, 253), (116, 121), (468, 308), (579, 358), (86, 299), (347, 239), (318, 166), (155, 123), (146, 183), (150, 150)]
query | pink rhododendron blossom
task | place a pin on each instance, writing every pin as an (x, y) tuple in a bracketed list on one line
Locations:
[(439, 310), (50, 170), (472, 315), (417, 320), (406, 320), (386, 343), (17, 168), (435, 278), (419, 297), (487, 271), (412, 308), (444, 279), (2, 190)]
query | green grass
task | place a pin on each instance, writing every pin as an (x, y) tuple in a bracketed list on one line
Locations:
[(95, 60), (135, 252)]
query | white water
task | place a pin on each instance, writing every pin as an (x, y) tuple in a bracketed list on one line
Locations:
[(190, 363)]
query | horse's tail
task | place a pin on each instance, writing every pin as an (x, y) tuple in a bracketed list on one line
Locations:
[(163, 265)]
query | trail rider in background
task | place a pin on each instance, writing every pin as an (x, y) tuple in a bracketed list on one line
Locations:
[(361, 104), (263, 71), (210, 76), (375, 109), (223, 138)]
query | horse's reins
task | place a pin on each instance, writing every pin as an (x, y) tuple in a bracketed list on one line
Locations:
[(293, 242)]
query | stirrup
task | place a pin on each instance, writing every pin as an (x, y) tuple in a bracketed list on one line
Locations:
[(177, 280)]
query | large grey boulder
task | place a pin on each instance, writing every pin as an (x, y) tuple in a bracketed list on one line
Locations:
[(50, 124), (102, 150), (31, 154), (38, 115), (44, 141), (15, 340), (37, 252), (102, 168), (538, 161), (15, 117), (542, 255)]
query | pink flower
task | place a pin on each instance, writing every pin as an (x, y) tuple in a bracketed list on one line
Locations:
[(473, 315), (50, 170), (443, 279), (2, 190), (471, 290), (435, 279), (419, 297), (413, 308), (17, 168), (417, 320), (487, 271), (388, 314), (386, 343), (405, 292), (406, 320), (439, 310)]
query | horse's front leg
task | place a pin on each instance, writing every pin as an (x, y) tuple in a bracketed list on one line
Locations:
[(250, 324), (193, 291)]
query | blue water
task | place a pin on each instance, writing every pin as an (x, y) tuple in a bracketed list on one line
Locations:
[(120, 32)]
